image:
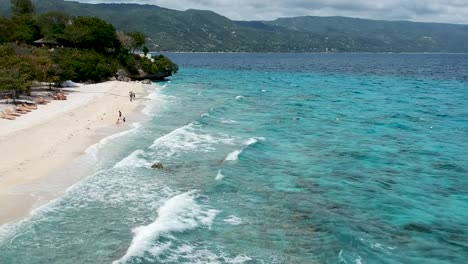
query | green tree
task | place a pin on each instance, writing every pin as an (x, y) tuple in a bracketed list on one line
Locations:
[(22, 7), (145, 50), (25, 29), (45, 69), (139, 39), (83, 65), (16, 72), (6, 30), (91, 33), (53, 24), (131, 40)]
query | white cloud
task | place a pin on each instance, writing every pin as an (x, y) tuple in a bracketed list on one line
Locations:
[(446, 11)]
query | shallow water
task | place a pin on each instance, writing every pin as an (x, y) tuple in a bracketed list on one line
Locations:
[(275, 158)]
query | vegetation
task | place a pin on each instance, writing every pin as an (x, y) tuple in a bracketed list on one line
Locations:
[(68, 48), (21, 7), (196, 30)]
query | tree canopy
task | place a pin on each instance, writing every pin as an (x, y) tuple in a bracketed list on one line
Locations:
[(91, 33), (131, 40), (53, 24), (22, 7)]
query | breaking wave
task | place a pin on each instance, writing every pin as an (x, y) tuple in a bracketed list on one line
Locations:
[(235, 154), (177, 214)]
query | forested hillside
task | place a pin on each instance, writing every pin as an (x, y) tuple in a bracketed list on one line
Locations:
[(206, 31)]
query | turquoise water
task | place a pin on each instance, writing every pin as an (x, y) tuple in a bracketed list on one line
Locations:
[(274, 159)]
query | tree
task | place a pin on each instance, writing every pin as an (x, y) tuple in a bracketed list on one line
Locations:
[(139, 39), (145, 50), (16, 72), (131, 40), (125, 40), (25, 29), (6, 29), (53, 24), (45, 70), (22, 7), (91, 33)]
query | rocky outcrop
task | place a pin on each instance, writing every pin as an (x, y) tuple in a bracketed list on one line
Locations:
[(160, 76), (122, 76), (158, 166)]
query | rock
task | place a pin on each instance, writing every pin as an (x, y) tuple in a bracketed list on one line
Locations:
[(112, 79), (146, 81), (121, 73), (158, 166), (123, 79)]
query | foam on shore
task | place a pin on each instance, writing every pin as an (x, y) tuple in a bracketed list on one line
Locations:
[(177, 214)]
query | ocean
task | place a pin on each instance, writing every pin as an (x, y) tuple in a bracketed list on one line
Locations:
[(274, 158)]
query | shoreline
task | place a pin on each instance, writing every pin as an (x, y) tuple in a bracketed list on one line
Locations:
[(41, 146)]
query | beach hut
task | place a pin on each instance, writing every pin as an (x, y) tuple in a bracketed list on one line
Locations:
[(43, 42)]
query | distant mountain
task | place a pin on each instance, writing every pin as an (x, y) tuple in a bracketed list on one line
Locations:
[(206, 31), (376, 35)]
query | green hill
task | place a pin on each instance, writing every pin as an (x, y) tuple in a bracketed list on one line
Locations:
[(206, 31)]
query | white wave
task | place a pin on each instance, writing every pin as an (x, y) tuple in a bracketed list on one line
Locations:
[(253, 140), (133, 160), (160, 248), (93, 149), (188, 138), (358, 260), (227, 121), (156, 101), (239, 97), (239, 259), (263, 90), (177, 214), (193, 253), (234, 220), (235, 154), (219, 176)]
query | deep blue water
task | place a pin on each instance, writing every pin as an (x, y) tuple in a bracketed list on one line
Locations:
[(275, 158)]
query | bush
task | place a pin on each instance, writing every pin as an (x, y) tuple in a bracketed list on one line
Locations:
[(83, 65)]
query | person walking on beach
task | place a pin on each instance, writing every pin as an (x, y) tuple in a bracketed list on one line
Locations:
[(120, 114), (131, 95)]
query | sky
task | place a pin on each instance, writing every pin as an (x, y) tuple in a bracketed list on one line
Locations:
[(444, 11)]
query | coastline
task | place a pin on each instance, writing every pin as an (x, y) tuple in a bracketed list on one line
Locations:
[(39, 145)]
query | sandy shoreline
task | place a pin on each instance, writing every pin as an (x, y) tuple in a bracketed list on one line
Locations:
[(46, 140)]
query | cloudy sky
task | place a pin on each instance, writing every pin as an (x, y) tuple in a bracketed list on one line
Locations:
[(448, 11)]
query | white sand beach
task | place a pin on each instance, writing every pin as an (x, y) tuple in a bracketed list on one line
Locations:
[(40, 143)]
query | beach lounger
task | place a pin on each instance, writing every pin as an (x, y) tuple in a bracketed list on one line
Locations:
[(19, 110), (33, 107), (11, 112), (42, 100), (5, 116), (22, 108), (62, 96)]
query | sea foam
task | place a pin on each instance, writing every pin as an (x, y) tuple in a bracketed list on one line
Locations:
[(219, 176), (234, 220), (235, 154), (188, 138), (133, 160), (93, 149), (177, 214)]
